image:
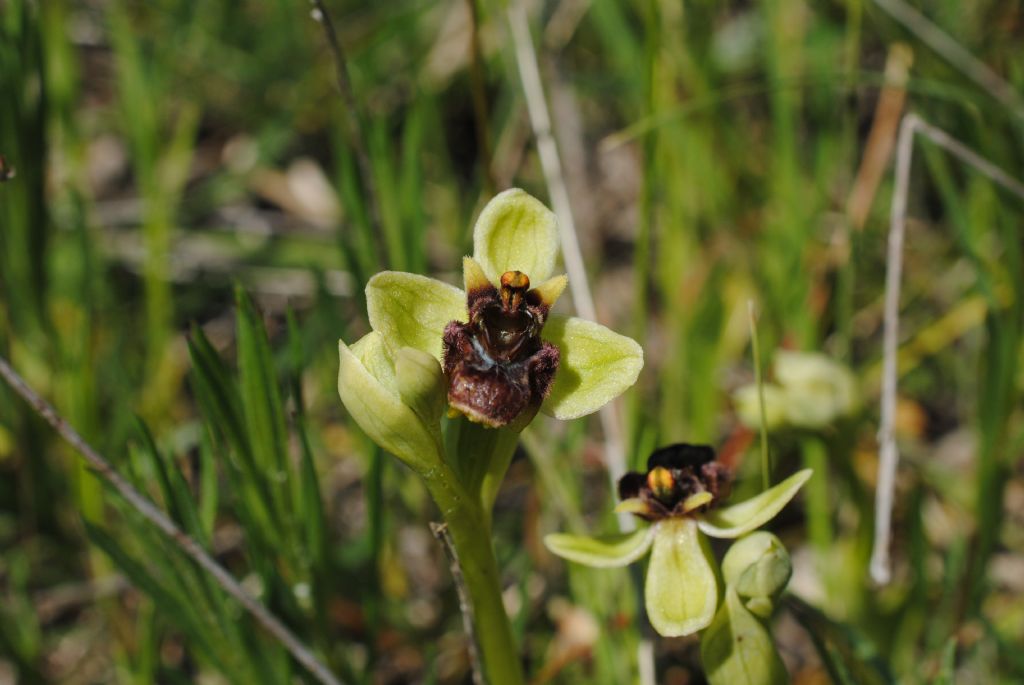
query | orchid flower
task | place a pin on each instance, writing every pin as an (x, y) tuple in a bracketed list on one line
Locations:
[(679, 496), (505, 355)]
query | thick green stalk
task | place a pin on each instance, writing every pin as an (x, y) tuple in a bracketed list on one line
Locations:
[(470, 533)]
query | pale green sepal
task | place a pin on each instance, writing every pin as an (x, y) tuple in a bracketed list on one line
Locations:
[(596, 366), (378, 409), (421, 384), (516, 232), (374, 355), (410, 310), (681, 591), (737, 648), (757, 565), (734, 521), (602, 552)]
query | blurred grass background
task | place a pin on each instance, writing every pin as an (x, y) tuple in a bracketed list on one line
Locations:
[(168, 151)]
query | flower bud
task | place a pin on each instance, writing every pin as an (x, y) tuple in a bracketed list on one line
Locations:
[(367, 386), (757, 566), (421, 384)]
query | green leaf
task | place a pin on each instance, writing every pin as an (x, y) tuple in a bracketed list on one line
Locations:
[(681, 591), (264, 422), (378, 409), (176, 494), (307, 485), (175, 607), (849, 658), (410, 310), (221, 407), (596, 366), (261, 399), (734, 521), (947, 666), (516, 232), (737, 648), (217, 393), (602, 552)]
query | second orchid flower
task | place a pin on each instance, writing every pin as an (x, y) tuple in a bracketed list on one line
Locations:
[(679, 496)]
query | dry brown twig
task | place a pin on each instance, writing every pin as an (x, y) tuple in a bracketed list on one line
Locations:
[(354, 123), (881, 571), (583, 301), (162, 522), (954, 53), (440, 531)]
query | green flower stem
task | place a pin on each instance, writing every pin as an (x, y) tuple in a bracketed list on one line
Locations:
[(470, 533), (819, 516)]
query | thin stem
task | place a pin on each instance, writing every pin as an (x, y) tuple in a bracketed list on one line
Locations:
[(766, 465), (819, 520), (354, 123), (440, 531), (942, 43), (478, 86), (583, 301), (888, 455), (151, 513), (470, 536)]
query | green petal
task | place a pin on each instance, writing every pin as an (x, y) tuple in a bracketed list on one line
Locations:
[(367, 386), (410, 310), (738, 650), (734, 521), (603, 552), (596, 366), (516, 232), (681, 591)]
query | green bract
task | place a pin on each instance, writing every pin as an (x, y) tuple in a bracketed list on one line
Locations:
[(409, 312), (737, 648), (681, 590)]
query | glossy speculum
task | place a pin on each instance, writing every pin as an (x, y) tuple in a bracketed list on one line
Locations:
[(497, 366), (675, 474)]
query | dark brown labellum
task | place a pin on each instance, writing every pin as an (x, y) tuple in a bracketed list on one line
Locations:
[(674, 474), (496, 364)]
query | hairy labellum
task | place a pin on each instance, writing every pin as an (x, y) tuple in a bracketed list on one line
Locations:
[(497, 366), (681, 480)]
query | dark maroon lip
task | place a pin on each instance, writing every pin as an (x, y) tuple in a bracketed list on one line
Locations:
[(674, 474), (497, 365)]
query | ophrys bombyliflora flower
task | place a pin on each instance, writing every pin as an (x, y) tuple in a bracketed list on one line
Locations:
[(679, 496)]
